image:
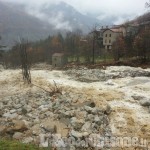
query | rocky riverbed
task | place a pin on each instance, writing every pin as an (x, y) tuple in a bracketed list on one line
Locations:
[(92, 104)]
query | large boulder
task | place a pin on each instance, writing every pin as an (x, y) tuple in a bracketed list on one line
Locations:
[(27, 140), (17, 135), (2, 130), (95, 140), (77, 134), (86, 127), (137, 97), (18, 126), (108, 110), (145, 102), (77, 123), (8, 115)]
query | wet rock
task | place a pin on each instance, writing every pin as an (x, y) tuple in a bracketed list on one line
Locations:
[(90, 117), (24, 111), (37, 140), (33, 116), (79, 134), (2, 130), (72, 147), (108, 110), (110, 82), (58, 142), (76, 123), (86, 127), (95, 127), (88, 109), (27, 140), (49, 128), (28, 108), (10, 116), (43, 108), (1, 106), (49, 114), (13, 111), (43, 140), (90, 104), (36, 130), (5, 102), (105, 120), (69, 114), (18, 126), (85, 75), (1, 113), (145, 102), (17, 106), (135, 97), (81, 114), (94, 140), (92, 75), (17, 135), (95, 111), (98, 120), (66, 121), (36, 120)]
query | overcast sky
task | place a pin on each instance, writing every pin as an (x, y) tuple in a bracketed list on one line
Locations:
[(100, 8)]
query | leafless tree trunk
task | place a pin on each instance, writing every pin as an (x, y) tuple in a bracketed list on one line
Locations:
[(93, 50), (24, 62)]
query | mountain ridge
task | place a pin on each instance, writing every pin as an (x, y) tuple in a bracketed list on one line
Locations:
[(35, 23), (16, 22)]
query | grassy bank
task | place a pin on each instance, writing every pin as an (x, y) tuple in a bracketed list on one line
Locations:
[(15, 145)]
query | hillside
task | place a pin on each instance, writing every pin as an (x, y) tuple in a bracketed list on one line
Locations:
[(15, 22), (21, 20), (64, 16), (141, 19), (34, 23)]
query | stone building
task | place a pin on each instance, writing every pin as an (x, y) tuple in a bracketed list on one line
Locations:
[(110, 36), (59, 60)]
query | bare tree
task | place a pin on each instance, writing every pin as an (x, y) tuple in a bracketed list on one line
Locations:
[(96, 44), (2, 54), (24, 61), (94, 37)]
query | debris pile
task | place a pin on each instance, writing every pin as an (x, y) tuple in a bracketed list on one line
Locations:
[(95, 75), (28, 116), (81, 111)]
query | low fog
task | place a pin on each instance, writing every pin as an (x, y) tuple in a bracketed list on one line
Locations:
[(117, 11)]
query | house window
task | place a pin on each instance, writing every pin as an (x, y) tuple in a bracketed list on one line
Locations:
[(106, 35), (109, 35), (109, 41), (105, 41)]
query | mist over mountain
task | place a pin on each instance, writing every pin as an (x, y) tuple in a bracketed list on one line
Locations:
[(15, 23), (23, 21), (35, 22), (63, 16)]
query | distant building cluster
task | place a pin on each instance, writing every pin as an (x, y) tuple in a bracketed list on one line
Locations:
[(108, 35)]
